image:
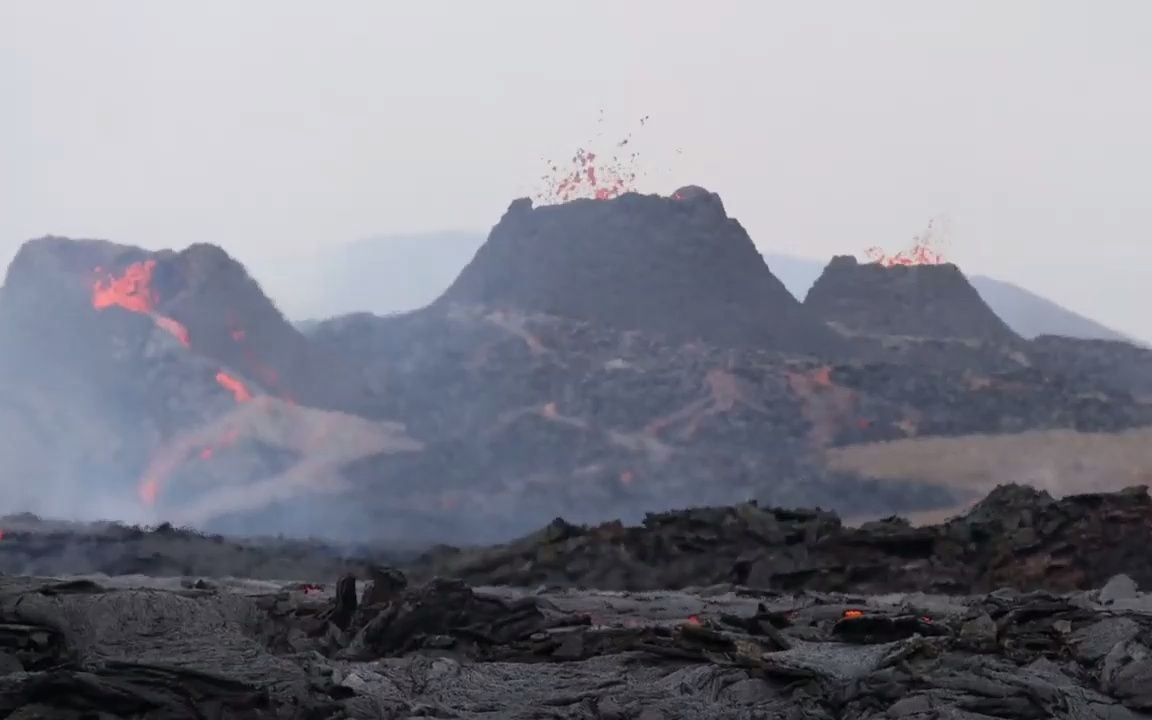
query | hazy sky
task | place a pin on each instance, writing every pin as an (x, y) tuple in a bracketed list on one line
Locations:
[(280, 128)]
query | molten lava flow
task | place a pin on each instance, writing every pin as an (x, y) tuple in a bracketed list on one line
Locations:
[(850, 614), (925, 250), (174, 329), (238, 389), (267, 375), (132, 290)]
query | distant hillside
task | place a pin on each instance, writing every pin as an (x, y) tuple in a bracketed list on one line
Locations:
[(1032, 315)]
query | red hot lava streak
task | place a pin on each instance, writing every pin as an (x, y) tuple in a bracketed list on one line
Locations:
[(238, 389), (132, 290)]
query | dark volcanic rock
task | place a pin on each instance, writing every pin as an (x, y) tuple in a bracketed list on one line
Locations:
[(934, 301), (120, 649), (675, 266), (526, 417), (1017, 537)]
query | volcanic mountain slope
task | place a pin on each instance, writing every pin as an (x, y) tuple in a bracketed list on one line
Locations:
[(124, 369), (528, 416), (925, 301), (676, 266), (467, 422)]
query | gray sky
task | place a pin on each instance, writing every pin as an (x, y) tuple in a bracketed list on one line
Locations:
[(279, 128)]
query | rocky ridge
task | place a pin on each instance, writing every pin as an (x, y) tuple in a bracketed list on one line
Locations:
[(1016, 537)]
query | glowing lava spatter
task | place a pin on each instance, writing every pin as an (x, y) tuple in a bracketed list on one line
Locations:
[(593, 175), (926, 248)]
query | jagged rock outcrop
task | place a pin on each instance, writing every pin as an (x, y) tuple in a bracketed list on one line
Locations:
[(1016, 537), (676, 266), (934, 301)]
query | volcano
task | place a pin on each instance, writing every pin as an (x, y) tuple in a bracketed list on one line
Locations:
[(125, 371), (915, 300), (677, 266), (596, 359)]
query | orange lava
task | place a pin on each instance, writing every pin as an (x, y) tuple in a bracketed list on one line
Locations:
[(849, 614), (174, 329), (238, 389), (132, 290), (693, 620)]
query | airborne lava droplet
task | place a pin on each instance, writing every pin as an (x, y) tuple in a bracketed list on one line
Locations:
[(590, 176)]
